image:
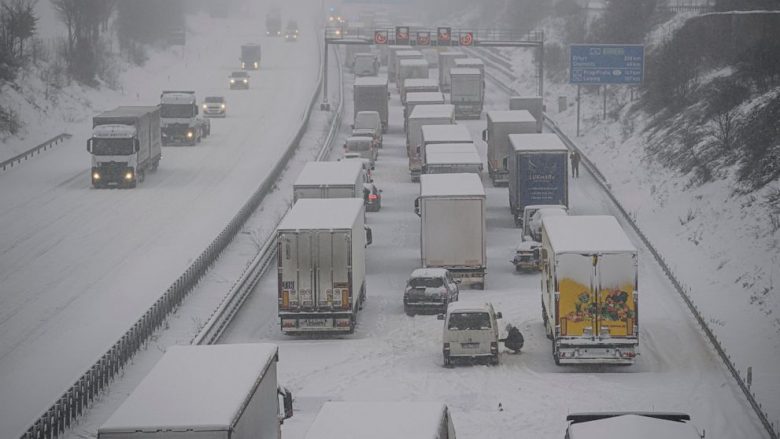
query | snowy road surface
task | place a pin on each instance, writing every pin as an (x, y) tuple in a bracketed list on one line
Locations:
[(395, 357), (79, 266)]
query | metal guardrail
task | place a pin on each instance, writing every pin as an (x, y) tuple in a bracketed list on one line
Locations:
[(602, 181), (76, 399), (231, 303), (13, 161)]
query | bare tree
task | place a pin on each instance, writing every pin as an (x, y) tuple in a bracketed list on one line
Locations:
[(85, 20)]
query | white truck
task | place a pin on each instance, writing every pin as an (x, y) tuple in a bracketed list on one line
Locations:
[(342, 179), (370, 94), (500, 124), (321, 265), (382, 420), (411, 69), (418, 85), (441, 114), (437, 134), (533, 104), (125, 144), (469, 63), (400, 56), (392, 51), (366, 64), (452, 231), (467, 92), (205, 392), (179, 121), (420, 98), (452, 158), (590, 294), (446, 62)]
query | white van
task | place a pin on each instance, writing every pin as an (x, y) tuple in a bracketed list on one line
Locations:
[(368, 123), (470, 332)]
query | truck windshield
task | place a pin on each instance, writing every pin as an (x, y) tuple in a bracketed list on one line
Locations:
[(358, 146), (462, 321), (176, 110), (112, 146), (426, 282)]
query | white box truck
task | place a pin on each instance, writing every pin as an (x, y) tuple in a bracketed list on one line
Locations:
[(420, 98), (533, 104), (411, 69), (441, 114), (446, 62), (452, 229), (221, 391), (469, 63), (392, 51), (382, 420), (321, 262), (125, 145), (418, 85), (590, 294), (500, 124), (400, 56), (467, 92), (370, 94), (452, 158), (436, 134), (342, 179)]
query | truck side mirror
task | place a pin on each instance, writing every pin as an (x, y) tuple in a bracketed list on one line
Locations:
[(498, 315), (485, 134), (417, 207), (287, 403), (136, 145), (196, 109), (369, 236), (89, 145)]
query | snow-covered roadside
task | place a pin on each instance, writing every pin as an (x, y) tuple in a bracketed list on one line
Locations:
[(723, 246)]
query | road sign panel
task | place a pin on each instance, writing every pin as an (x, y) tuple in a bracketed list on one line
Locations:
[(598, 64), (380, 37), (467, 38), (402, 35), (423, 38), (444, 36)]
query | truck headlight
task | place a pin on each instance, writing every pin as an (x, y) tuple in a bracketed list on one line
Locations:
[(205, 107), (222, 106), (256, 65), (189, 134), (243, 65), (245, 81), (96, 176), (232, 81), (129, 175)]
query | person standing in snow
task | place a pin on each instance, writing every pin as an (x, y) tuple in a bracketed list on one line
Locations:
[(575, 164)]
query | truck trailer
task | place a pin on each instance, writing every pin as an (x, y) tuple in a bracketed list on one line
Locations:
[(220, 391), (321, 266), (533, 104), (446, 62), (538, 172), (418, 85), (250, 56), (469, 63), (382, 420), (342, 179), (125, 145), (452, 231), (500, 124), (179, 121), (411, 69), (401, 55), (452, 158), (590, 294), (467, 92), (438, 134), (442, 114), (420, 98), (371, 94)]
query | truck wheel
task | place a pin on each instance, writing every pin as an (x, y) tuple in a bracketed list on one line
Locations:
[(155, 165), (409, 312), (447, 361), (494, 360), (556, 358)]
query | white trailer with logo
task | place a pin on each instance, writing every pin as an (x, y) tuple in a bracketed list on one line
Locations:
[(443, 114), (452, 231), (321, 265), (342, 179), (446, 62), (222, 391), (500, 124)]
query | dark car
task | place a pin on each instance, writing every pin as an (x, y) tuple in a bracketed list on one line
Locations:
[(372, 197), (429, 290), (239, 80)]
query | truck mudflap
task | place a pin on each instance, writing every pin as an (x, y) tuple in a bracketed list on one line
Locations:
[(621, 351), (469, 276), (317, 322)]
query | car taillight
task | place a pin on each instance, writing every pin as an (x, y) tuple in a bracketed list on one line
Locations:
[(289, 323), (343, 323), (284, 300), (372, 197)]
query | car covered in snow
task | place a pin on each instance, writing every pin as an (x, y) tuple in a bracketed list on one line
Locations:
[(214, 106), (239, 80), (430, 290), (609, 425)]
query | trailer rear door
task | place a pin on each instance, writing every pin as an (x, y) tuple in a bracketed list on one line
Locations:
[(617, 283), (575, 277), (333, 270)]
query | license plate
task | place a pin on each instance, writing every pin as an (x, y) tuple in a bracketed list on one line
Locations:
[(314, 323), (469, 345)]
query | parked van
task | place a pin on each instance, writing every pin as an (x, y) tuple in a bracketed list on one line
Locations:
[(470, 332), (368, 123), (364, 146)]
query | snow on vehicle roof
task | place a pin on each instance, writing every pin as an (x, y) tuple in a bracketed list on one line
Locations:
[(421, 82), (429, 272), (466, 306), (510, 116), (114, 131), (641, 427), (453, 53), (358, 139), (408, 53), (451, 133), (377, 420), (414, 62), (127, 111), (370, 80), (469, 62), (433, 110), (454, 158), (536, 142), (345, 172), (460, 148), (447, 185), (194, 387), (323, 214), (586, 234), (424, 96), (464, 71)]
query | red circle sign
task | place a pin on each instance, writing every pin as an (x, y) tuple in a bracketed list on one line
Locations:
[(467, 39), (380, 38), (423, 39)]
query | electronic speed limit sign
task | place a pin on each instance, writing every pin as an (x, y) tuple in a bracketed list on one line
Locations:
[(380, 37), (467, 38)]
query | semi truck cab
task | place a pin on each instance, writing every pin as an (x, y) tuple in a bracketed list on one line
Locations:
[(114, 151), (179, 118)]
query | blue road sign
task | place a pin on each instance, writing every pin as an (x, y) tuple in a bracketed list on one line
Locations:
[(598, 64)]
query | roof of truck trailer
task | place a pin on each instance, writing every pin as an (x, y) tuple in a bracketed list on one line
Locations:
[(455, 158), (377, 420), (371, 80), (451, 133), (586, 234), (537, 142), (345, 172), (194, 387), (449, 185), (414, 62), (510, 116), (432, 110), (128, 111), (424, 96), (469, 62), (453, 53), (457, 148), (464, 71), (641, 427), (322, 214), (402, 53), (421, 82)]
